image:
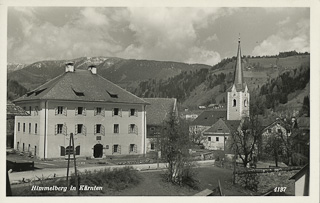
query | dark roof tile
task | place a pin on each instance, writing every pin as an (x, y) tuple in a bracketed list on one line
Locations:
[(81, 85), (159, 109)]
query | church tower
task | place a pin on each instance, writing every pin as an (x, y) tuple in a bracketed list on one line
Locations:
[(238, 95)]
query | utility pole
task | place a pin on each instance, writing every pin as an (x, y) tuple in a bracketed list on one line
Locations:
[(157, 133), (71, 148)]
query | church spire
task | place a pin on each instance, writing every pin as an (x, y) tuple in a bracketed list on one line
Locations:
[(238, 75)]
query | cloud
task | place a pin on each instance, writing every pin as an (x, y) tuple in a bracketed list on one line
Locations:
[(283, 22), (286, 39), (170, 34)]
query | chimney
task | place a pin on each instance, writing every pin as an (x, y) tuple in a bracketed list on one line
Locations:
[(93, 69), (69, 66)]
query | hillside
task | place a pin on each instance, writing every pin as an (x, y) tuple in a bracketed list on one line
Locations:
[(127, 73), (15, 66), (204, 87)]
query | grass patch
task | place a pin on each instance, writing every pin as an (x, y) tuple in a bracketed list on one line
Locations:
[(109, 181)]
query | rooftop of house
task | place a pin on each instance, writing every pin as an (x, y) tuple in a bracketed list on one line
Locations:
[(81, 85), (208, 118), (159, 109), (223, 126), (14, 110)]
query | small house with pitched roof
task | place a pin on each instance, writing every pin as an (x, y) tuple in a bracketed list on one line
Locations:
[(157, 112)]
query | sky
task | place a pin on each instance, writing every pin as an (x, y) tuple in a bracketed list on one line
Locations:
[(190, 35)]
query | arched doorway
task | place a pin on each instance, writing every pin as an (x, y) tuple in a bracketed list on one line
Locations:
[(97, 151)]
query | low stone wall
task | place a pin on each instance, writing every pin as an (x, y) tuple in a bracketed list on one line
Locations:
[(264, 180)]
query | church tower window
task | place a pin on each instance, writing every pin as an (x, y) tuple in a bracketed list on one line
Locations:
[(234, 103), (245, 103)]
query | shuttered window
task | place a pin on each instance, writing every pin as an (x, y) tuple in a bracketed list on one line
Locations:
[(116, 112), (133, 112), (116, 128), (80, 111), (133, 129), (116, 148), (99, 129), (61, 129), (133, 148), (61, 110), (80, 129), (98, 111)]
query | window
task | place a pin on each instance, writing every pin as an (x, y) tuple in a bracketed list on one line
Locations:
[(59, 129), (35, 150), (269, 130), (36, 110), (131, 128), (80, 110), (116, 111), (79, 128), (62, 151), (35, 128), (28, 147), (245, 103), (217, 139), (209, 139), (29, 128), (24, 127), (78, 150), (98, 111), (18, 126), (60, 110), (22, 146), (116, 148), (133, 148), (98, 128), (116, 128), (234, 102), (152, 146), (30, 110), (133, 112)]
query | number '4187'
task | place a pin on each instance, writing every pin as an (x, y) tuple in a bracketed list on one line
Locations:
[(279, 189)]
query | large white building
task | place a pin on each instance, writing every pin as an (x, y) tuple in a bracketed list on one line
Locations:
[(104, 118)]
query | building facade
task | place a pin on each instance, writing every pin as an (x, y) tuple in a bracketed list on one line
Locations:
[(104, 118)]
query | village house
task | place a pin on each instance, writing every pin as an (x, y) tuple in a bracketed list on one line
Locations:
[(104, 118), (12, 112), (157, 112), (216, 126)]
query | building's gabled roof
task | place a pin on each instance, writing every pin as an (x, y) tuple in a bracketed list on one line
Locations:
[(223, 126), (208, 118), (276, 122), (218, 127), (81, 85), (159, 109), (14, 110)]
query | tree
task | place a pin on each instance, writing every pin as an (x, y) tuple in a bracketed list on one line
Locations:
[(175, 144), (306, 106), (245, 139), (274, 146)]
